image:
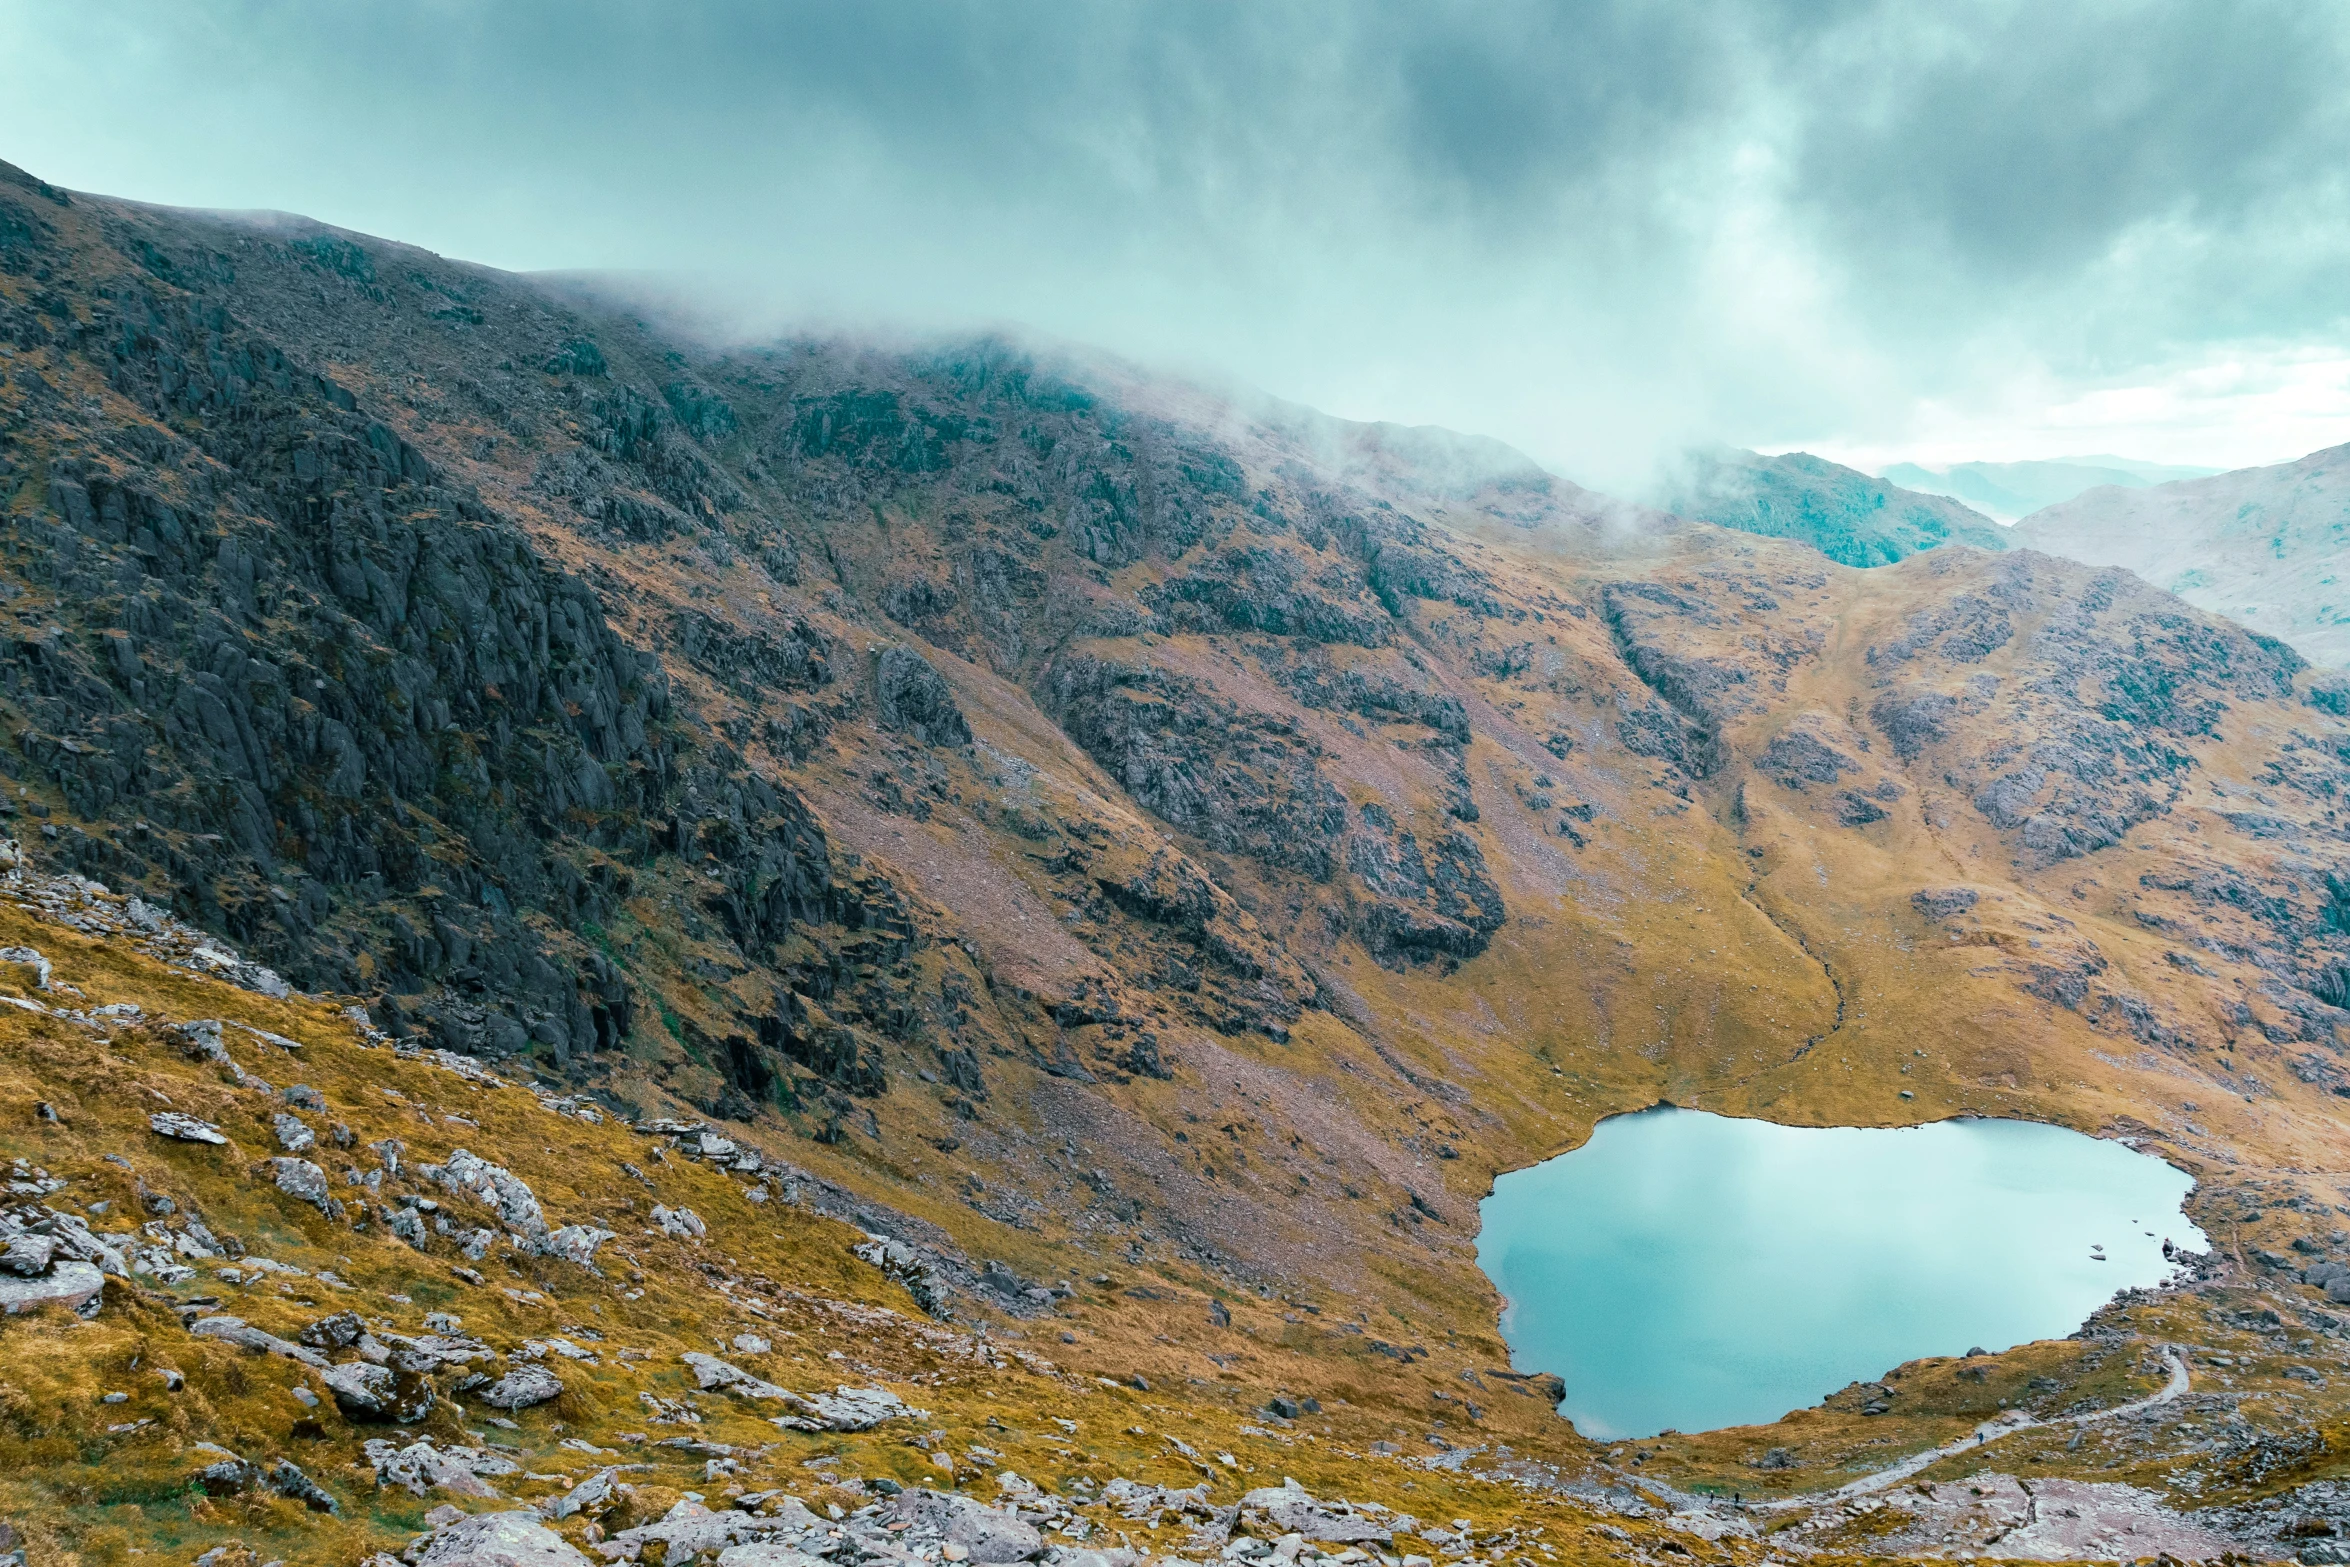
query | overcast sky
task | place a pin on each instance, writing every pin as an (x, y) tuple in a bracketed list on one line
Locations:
[(1599, 230)]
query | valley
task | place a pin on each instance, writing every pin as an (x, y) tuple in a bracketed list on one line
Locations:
[(1120, 871)]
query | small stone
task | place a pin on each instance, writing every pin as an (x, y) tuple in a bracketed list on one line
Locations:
[(114, 1398)]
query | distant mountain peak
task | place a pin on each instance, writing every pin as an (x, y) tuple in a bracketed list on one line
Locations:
[(1849, 516), (2009, 490), (2269, 546)]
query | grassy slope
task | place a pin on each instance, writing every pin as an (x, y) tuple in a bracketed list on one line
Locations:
[(82, 1491)]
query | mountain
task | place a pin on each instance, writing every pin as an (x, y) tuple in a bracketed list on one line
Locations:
[(1843, 513), (2269, 547), (1006, 911), (2007, 490)]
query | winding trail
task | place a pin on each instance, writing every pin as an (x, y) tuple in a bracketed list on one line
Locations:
[(1982, 1436)]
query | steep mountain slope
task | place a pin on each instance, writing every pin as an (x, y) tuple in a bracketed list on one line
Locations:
[(2009, 490), (2265, 546), (1843, 513), (1081, 825)]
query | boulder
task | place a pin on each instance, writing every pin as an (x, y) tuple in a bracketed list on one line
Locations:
[(572, 1243), (304, 1182), (501, 1188), (522, 1387), (237, 1331), (287, 1479), (712, 1373), (69, 1284), (516, 1539), (361, 1390), (420, 1467), (1291, 1509), (31, 958), (683, 1223), (292, 1135), (28, 1256), (591, 1496), (989, 1534), (340, 1331), (846, 1409), (689, 1531), (184, 1128), (1943, 903), (226, 1474)]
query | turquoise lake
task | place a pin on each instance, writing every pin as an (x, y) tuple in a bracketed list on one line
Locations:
[(1686, 1271)]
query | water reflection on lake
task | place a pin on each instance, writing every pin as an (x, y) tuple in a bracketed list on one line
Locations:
[(1687, 1271)]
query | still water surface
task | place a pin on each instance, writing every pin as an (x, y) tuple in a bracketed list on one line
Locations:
[(1687, 1271)]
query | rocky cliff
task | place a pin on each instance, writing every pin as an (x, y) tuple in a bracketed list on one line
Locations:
[(1084, 825)]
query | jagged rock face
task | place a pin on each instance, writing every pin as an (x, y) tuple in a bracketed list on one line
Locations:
[(812, 731)]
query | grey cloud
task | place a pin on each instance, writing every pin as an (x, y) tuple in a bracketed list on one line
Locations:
[(1580, 226), (2027, 144)]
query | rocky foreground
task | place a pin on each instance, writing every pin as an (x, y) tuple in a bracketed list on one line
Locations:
[(311, 1319)]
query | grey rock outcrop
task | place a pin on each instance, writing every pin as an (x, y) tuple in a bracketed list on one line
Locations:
[(65, 1285), (467, 1173), (713, 1374), (421, 1466), (237, 1331), (185, 1128), (1943, 903), (304, 1182), (512, 1539), (1293, 1510), (988, 1534), (521, 1388), (914, 698)]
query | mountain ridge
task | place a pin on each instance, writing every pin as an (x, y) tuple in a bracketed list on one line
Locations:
[(2006, 491), (1848, 516), (2263, 545)]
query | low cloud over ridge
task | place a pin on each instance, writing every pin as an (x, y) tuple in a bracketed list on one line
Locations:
[(1592, 230)]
